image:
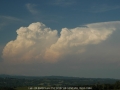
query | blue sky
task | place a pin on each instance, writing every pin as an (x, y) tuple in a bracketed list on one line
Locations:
[(60, 37)]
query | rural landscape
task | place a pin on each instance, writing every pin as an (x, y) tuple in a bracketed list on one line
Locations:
[(8, 82), (59, 44)]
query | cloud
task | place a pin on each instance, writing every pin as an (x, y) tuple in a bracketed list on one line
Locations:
[(10, 18), (63, 3), (39, 43), (103, 8), (31, 8), (5, 20), (74, 41), (30, 44)]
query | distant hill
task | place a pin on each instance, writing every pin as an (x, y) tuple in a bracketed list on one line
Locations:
[(20, 81), (50, 77)]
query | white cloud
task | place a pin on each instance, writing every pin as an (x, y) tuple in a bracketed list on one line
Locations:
[(30, 44), (73, 41), (31, 8), (39, 43)]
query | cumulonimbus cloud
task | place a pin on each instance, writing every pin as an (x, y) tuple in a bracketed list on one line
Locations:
[(39, 43), (30, 44)]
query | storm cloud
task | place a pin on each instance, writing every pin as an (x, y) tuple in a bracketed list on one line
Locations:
[(42, 44)]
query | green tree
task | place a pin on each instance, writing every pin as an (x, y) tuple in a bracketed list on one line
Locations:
[(117, 85)]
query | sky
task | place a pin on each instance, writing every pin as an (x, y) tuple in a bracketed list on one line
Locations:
[(78, 38)]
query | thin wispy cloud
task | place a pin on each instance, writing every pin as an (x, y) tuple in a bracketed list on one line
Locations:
[(63, 2), (31, 8), (5, 20), (103, 8), (10, 18)]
